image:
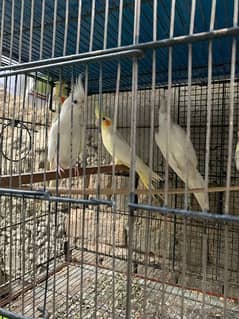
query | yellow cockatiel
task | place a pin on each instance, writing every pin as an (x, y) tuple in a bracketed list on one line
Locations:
[(122, 151)]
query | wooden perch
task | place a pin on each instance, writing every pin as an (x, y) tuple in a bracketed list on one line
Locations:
[(17, 180), (25, 181)]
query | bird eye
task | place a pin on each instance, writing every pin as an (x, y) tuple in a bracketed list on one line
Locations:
[(75, 101), (103, 118)]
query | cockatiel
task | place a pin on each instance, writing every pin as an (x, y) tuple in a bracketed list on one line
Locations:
[(122, 151), (181, 154), (71, 130), (237, 153)]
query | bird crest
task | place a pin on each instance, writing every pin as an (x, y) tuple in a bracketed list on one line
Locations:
[(78, 90), (106, 122), (97, 110)]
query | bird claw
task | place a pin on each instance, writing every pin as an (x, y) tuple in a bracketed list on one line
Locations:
[(60, 170), (76, 170)]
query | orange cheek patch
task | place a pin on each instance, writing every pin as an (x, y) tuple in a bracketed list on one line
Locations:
[(62, 99), (107, 123)]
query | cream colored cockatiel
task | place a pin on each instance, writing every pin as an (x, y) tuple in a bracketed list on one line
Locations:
[(237, 153), (122, 151), (181, 154), (71, 130)]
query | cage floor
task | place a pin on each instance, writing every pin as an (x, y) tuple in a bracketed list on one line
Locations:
[(162, 301)]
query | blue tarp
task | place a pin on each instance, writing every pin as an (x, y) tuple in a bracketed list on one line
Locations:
[(221, 46)]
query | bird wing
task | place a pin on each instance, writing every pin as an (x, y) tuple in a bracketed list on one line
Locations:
[(237, 156), (121, 149), (181, 153), (123, 155), (52, 142), (182, 146), (182, 159)]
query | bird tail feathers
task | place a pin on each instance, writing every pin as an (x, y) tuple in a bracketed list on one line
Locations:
[(195, 180), (144, 173), (163, 104)]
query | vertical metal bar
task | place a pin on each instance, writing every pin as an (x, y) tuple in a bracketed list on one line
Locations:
[(106, 23), (98, 208), (114, 207), (23, 214), (54, 29), (21, 31), (84, 207), (2, 29), (164, 233), (209, 99), (184, 226), (46, 124), (151, 139), (176, 184), (34, 243), (48, 240), (12, 30), (133, 157), (172, 16), (46, 206), (121, 4), (134, 95), (66, 27), (98, 213), (99, 149), (189, 91), (208, 138), (78, 27), (229, 159), (56, 207), (11, 206), (42, 28), (92, 25), (5, 213), (31, 30), (231, 110), (68, 243)]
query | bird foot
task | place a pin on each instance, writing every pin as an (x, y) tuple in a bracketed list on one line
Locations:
[(76, 170), (60, 170)]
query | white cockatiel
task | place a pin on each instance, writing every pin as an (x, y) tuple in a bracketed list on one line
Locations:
[(237, 153), (181, 154), (71, 130), (122, 151)]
